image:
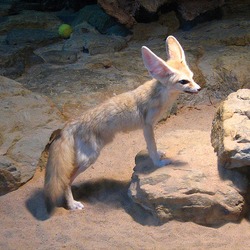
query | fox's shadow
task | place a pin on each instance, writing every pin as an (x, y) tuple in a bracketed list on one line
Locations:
[(107, 191), (36, 205), (110, 192), (113, 193)]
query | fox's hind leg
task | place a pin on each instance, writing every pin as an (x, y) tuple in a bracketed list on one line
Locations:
[(86, 155), (71, 203)]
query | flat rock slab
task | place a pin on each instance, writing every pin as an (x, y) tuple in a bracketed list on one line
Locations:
[(32, 37), (191, 188), (27, 121)]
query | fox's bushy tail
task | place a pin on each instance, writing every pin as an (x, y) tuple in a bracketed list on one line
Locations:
[(58, 170)]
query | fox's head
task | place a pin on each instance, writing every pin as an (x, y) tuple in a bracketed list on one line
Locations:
[(174, 73)]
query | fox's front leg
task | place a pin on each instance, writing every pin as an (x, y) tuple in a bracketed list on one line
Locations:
[(152, 149)]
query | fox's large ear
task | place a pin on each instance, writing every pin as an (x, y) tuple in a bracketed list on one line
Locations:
[(155, 65), (174, 49)]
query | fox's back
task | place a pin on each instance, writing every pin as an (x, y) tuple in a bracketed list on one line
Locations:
[(118, 113)]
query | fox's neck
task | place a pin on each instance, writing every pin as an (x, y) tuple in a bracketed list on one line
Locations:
[(155, 98), (154, 91)]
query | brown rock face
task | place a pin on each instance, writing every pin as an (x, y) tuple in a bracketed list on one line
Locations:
[(27, 120), (192, 8), (231, 130)]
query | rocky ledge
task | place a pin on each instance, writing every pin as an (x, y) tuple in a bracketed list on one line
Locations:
[(231, 131)]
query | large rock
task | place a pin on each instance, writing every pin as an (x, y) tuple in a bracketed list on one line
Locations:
[(153, 6), (96, 17), (120, 10), (31, 37), (226, 32), (190, 9), (95, 43), (191, 188), (12, 60), (231, 131), (27, 120), (30, 20)]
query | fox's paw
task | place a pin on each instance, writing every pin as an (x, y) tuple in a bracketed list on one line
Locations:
[(76, 205), (162, 162), (161, 154)]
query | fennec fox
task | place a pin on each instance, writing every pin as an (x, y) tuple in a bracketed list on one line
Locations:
[(79, 143)]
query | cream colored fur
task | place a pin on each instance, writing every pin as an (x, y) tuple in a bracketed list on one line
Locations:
[(80, 141)]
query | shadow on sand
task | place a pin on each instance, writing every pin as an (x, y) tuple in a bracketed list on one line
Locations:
[(110, 192), (36, 205)]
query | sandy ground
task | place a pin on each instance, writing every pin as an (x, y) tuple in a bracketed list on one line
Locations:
[(110, 220)]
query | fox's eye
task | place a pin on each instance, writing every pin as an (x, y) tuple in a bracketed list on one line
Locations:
[(183, 82)]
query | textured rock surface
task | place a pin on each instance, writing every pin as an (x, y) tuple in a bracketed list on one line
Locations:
[(152, 6), (98, 18), (231, 130), (95, 43), (87, 82), (192, 8), (32, 37), (190, 189), (20, 34), (125, 11), (30, 20), (27, 120), (119, 10), (59, 56), (12, 60)]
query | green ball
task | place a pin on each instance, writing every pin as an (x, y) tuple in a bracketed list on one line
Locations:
[(65, 30)]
